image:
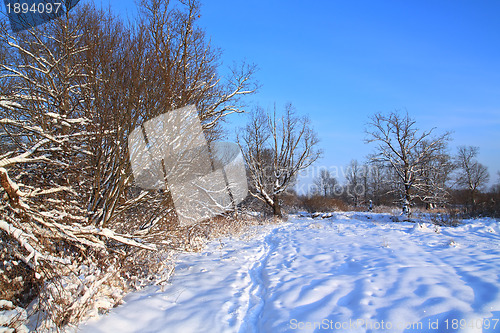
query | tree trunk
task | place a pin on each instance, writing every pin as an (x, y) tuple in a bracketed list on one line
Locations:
[(277, 207), (473, 200), (407, 202)]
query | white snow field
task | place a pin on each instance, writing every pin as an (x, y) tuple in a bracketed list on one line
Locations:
[(353, 272)]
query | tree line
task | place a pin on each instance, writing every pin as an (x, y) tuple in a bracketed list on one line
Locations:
[(411, 167)]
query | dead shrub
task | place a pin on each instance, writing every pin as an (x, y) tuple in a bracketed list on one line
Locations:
[(318, 203), (450, 219)]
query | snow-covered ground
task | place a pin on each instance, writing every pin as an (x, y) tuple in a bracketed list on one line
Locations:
[(353, 272)]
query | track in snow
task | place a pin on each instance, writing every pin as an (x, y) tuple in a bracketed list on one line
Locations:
[(353, 267)]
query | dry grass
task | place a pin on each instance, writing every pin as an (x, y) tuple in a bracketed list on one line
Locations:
[(193, 238)]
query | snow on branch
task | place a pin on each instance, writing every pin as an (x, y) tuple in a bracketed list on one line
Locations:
[(22, 238)]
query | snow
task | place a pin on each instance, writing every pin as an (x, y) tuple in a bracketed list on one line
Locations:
[(352, 272), (12, 316)]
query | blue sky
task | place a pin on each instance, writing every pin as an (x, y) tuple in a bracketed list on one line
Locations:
[(341, 61)]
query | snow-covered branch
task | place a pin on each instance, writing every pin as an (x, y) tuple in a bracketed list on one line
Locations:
[(275, 151), (414, 156)]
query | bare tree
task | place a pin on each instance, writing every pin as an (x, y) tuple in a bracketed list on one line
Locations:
[(49, 123), (164, 64), (472, 175), (74, 89), (377, 181), (354, 178), (401, 146), (325, 183), (275, 149)]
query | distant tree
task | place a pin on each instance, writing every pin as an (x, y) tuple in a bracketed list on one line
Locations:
[(275, 149), (354, 185), (325, 183), (472, 175), (365, 181), (377, 182), (406, 150)]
